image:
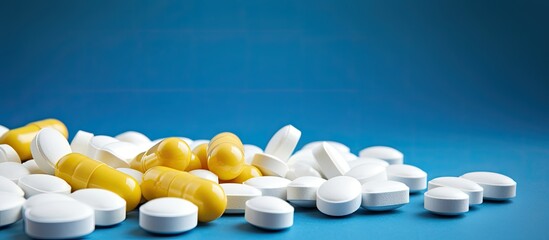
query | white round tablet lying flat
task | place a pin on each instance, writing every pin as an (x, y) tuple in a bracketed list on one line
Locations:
[(250, 151), (205, 174), (33, 167), (237, 195), (42, 183), (384, 195), (117, 154), (467, 186), (109, 208), (413, 177), (363, 160), (168, 215), (98, 142), (496, 186), (8, 154), (270, 165), (330, 160), (47, 147), (388, 154), (270, 185), (81, 141), (283, 142), (60, 219), (44, 199), (339, 196), (7, 185), (10, 208), (305, 156), (13, 171), (446, 201), (368, 172), (137, 175), (134, 137), (302, 191), (269, 213), (339, 146), (299, 169)]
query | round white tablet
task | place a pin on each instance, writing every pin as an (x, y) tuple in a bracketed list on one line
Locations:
[(269, 213), (33, 167), (43, 183), (98, 142), (302, 191), (168, 215), (44, 199), (10, 208), (363, 160), (117, 154), (270, 165), (304, 157), (8, 154), (47, 147), (339, 196), (330, 160), (134, 137), (237, 195), (388, 154), (496, 186), (270, 185), (339, 146), (60, 219), (250, 151), (446, 201), (81, 141), (413, 177), (137, 175), (299, 169), (13, 171), (109, 208), (283, 142), (384, 195), (467, 186), (7, 185), (349, 156), (368, 172), (3, 130), (205, 174)]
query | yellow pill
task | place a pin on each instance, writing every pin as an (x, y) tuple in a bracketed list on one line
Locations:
[(226, 160), (20, 138), (248, 171), (201, 151), (170, 152), (208, 196), (194, 163), (81, 172), (225, 137)]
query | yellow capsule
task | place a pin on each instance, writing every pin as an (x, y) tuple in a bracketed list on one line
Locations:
[(225, 137), (194, 163), (248, 171), (20, 138), (83, 172), (208, 196), (201, 152), (170, 152), (226, 160)]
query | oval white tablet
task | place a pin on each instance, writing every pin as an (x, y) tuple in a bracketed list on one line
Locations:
[(339, 146), (269, 213), (237, 195), (496, 186), (98, 142), (413, 177), (117, 154), (339, 196), (44, 199), (33, 167), (302, 191), (283, 142), (8, 154), (446, 201), (7, 185), (368, 172), (58, 220), (13, 171), (81, 141), (304, 157), (270, 185), (109, 208), (10, 208), (47, 147), (43, 183), (168, 215), (299, 169), (134, 137), (467, 186), (270, 165), (364, 160), (205, 174), (330, 160), (250, 151), (384, 195), (137, 175), (388, 154)]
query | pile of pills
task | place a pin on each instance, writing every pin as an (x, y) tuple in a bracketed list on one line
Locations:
[(65, 190)]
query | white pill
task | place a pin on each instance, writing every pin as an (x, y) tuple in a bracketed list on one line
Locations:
[(467, 186), (117, 154), (302, 191), (384, 195), (44, 199), (339, 196), (98, 142), (168, 215), (364, 160), (305, 157), (446, 201), (8, 154), (3, 130), (413, 177), (388, 154), (269, 213), (330, 160), (134, 137), (496, 186), (7, 185), (250, 151), (283, 142), (47, 147), (270, 165), (270, 185), (137, 175), (205, 174), (42, 183), (59, 219), (349, 156), (13, 171), (81, 141), (198, 142), (300, 170), (109, 208), (368, 172), (237, 195), (10, 208), (339, 146), (33, 167)]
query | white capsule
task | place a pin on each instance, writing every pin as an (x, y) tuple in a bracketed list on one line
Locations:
[(283, 142), (339, 196), (269, 213), (81, 141), (59, 220), (10, 208), (8, 154), (205, 174), (368, 172), (47, 147), (42, 183), (363, 160), (134, 137), (109, 208), (270, 185), (388, 154), (413, 177), (137, 175), (467, 186), (496, 186), (13, 171), (250, 151), (270, 165), (299, 169), (384, 195), (168, 215), (117, 154), (33, 167), (446, 201), (302, 191), (237, 195), (7, 185), (98, 142), (330, 160)]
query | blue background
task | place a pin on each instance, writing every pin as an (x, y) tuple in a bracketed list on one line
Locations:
[(457, 86)]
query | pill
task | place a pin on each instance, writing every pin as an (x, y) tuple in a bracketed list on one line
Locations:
[(388, 154), (361, 160), (59, 219), (48, 147), (7, 185), (339, 146), (42, 183), (299, 169), (199, 142), (117, 154), (349, 156), (384, 195), (44, 199), (248, 172), (81, 172), (270, 165), (194, 163), (226, 159), (283, 142), (225, 137), (134, 137), (168, 215), (3, 130), (205, 174), (413, 177), (98, 142), (472, 189), (13, 171), (305, 156), (339, 196), (81, 141), (109, 208), (201, 152), (302, 191), (446, 201), (188, 141), (330, 160), (170, 152), (137, 175), (10, 208), (270, 185), (496, 186), (368, 172), (167, 182), (250, 151), (20, 138), (269, 213), (33, 167), (8, 154), (237, 195)]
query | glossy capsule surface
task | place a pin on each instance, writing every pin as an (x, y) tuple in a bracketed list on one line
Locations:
[(170, 152)]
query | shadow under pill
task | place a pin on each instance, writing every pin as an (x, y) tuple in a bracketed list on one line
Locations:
[(429, 215), (366, 212), (246, 227), (497, 202)]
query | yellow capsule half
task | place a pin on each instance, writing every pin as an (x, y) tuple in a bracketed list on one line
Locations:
[(170, 152)]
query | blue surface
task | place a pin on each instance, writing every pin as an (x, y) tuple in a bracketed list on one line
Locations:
[(457, 86)]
